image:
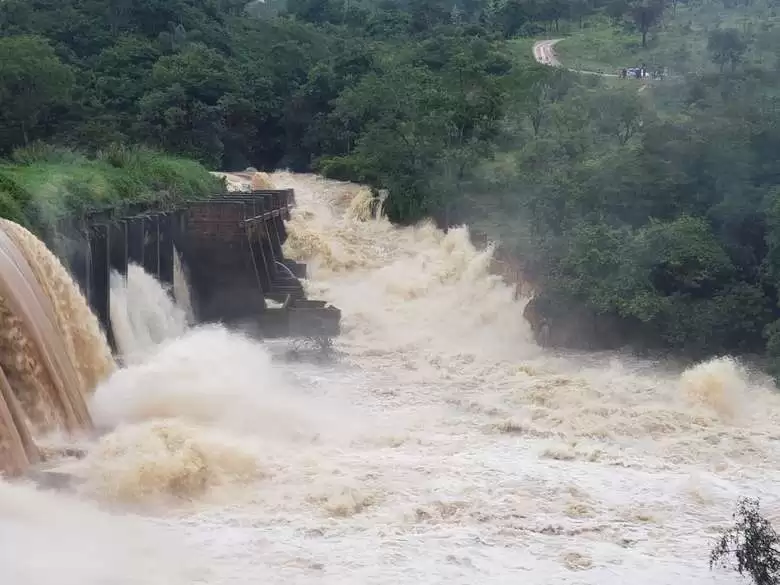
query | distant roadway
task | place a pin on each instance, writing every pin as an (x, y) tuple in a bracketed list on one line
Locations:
[(544, 53)]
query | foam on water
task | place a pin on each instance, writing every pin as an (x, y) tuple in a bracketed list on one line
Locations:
[(53, 538), (210, 377), (143, 314), (164, 461), (444, 446)]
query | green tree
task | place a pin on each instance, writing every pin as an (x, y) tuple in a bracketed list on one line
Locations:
[(187, 103), (751, 544), (646, 14), (33, 83), (726, 47)]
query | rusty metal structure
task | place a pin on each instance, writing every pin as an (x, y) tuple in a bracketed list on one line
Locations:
[(231, 250)]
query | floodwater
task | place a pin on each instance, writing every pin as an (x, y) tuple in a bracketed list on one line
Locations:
[(437, 444)]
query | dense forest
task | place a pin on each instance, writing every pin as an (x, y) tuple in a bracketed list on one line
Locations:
[(651, 217), (393, 94), (645, 218)]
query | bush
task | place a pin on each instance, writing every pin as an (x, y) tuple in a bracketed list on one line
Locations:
[(751, 547), (341, 168), (42, 184)]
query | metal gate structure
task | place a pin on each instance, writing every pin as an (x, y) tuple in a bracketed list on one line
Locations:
[(230, 247)]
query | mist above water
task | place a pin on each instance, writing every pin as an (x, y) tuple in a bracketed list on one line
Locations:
[(143, 313), (444, 445), (50, 537)]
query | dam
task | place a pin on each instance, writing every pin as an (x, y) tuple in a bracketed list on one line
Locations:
[(442, 445), (230, 247), (57, 340)]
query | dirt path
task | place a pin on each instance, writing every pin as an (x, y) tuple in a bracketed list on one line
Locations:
[(544, 53)]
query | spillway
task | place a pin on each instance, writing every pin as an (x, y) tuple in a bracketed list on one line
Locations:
[(438, 444), (52, 351)]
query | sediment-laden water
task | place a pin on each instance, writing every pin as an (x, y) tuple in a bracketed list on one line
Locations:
[(441, 445)]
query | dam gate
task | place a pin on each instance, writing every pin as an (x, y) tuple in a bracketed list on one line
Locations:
[(230, 250)]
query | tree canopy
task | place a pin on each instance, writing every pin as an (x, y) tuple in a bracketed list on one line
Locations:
[(652, 214)]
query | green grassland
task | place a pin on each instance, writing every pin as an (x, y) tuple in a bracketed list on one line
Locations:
[(41, 184), (679, 42)]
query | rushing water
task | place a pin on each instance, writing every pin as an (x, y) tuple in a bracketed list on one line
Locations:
[(442, 445), (143, 314), (52, 352)]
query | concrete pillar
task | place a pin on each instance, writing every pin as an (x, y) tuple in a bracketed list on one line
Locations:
[(151, 261), (272, 204), (118, 246), (165, 230), (99, 285), (255, 236), (265, 239), (75, 246), (281, 231), (135, 240)]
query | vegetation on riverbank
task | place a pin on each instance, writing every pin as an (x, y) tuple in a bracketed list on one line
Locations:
[(647, 218), (751, 546), (653, 216), (407, 95), (40, 185), (393, 94)]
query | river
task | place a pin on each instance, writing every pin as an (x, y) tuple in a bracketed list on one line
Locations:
[(439, 444)]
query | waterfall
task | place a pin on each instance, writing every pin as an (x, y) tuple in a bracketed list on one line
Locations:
[(52, 351)]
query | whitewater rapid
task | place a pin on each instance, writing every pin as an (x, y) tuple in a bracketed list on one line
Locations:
[(440, 445)]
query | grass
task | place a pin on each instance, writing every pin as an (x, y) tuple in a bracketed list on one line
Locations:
[(680, 43), (42, 184), (601, 47), (520, 50)]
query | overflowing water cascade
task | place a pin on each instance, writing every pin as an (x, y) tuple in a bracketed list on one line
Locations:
[(439, 444), (52, 351), (143, 314)]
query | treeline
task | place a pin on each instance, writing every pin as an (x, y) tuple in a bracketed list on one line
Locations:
[(403, 94), (406, 95), (650, 219), (647, 218)]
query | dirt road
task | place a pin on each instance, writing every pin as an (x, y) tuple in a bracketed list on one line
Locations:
[(544, 53)]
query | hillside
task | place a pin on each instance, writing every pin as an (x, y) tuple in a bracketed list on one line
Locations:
[(686, 38), (312, 87), (647, 219)]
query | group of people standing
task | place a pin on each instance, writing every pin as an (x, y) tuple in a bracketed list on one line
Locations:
[(640, 72)]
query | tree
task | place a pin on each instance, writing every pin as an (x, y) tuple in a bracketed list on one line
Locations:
[(186, 106), (121, 75), (753, 543), (33, 81), (617, 10), (646, 14), (726, 46), (511, 16), (317, 11), (427, 14), (619, 113), (578, 9)]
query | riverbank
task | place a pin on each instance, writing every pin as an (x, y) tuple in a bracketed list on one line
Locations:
[(40, 185), (431, 448)]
